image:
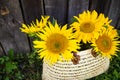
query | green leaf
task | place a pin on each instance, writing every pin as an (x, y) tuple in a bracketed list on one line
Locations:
[(106, 26), (19, 75), (115, 73), (9, 66), (6, 58), (74, 20), (6, 78), (53, 21), (11, 54), (2, 60), (118, 32)]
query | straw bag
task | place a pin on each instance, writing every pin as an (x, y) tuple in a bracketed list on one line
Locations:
[(88, 67)]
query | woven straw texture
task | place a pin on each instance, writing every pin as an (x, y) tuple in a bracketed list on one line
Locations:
[(88, 67)]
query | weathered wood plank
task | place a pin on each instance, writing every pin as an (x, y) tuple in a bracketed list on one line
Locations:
[(118, 23), (76, 7), (57, 9), (114, 12), (32, 10), (101, 6), (1, 50), (10, 22)]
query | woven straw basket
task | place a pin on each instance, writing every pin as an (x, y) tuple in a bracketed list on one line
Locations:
[(88, 67)]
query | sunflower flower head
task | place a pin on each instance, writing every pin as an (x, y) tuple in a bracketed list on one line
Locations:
[(107, 42), (56, 43), (35, 27), (88, 25)]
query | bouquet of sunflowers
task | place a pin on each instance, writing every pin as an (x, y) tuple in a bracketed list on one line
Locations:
[(60, 45)]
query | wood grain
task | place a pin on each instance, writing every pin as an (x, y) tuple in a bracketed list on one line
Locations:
[(118, 23), (10, 35), (32, 10), (114, 12), (76, 7), (1, 50), (101, 6), (57, 9)]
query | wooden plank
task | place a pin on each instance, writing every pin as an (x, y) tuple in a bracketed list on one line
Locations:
[(1, 50), (114, 12), (76, 7), (101, 6), (57, 9), (32, 9), (118, 23), (10, 21)]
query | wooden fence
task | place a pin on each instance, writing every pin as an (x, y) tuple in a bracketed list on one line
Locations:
[(15, 12)]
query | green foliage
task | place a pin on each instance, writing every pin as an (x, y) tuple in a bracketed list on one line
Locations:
[(8, 67), (73, 20), (29, 67), (85, 46), (53, 21), (20, 67)]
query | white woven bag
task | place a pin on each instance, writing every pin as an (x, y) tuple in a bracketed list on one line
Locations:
[(88, 67)]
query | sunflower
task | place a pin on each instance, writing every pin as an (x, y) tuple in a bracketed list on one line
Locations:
[(88, 25), (56, 43), (107, 21), (35, 27), (106, 43)]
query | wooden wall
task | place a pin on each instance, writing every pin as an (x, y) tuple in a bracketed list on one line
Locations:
[(15, 12)]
